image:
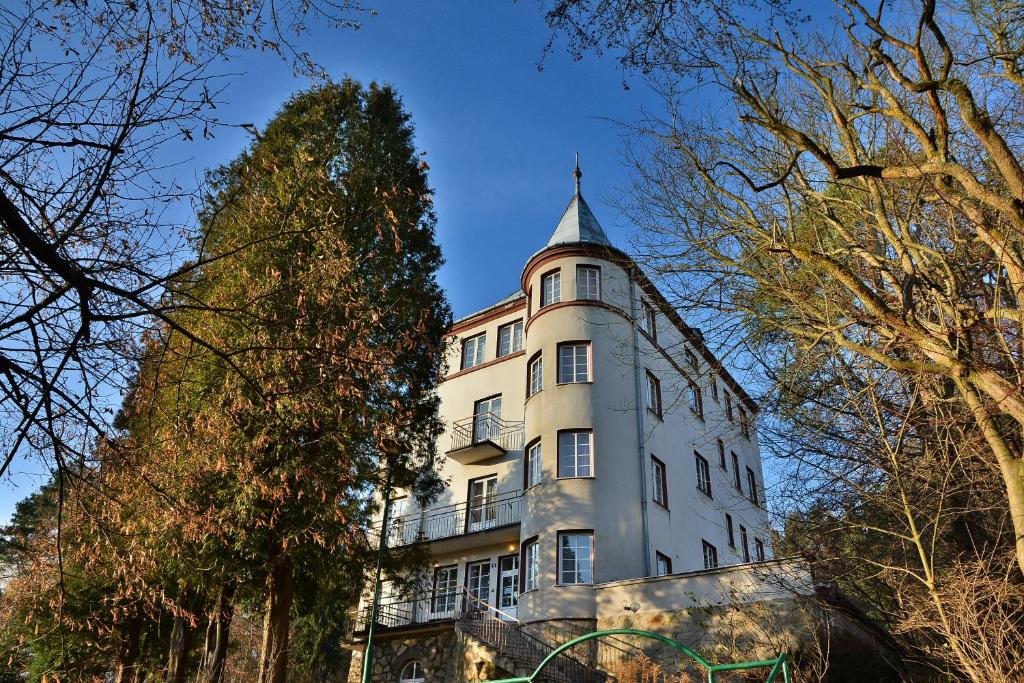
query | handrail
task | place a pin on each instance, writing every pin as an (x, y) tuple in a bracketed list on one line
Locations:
[(455, 520), (483, 427)]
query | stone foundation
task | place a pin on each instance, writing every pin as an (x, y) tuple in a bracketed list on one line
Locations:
[(448, 656)]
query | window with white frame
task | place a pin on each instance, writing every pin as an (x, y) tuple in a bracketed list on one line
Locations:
[(730, 531), (588, 283), (653, 394), (550, 288), (510, 338), (412, 673), (703, 473), (573, 362), (536, 379), (649, 320), (531, 562), (664, 564), (745, 545), (710, 555), (758, 550), (660, 482), (695, 399), (575, 454), (533, 464), (576, 557), (752, 486), (473, 351), (445, 588)]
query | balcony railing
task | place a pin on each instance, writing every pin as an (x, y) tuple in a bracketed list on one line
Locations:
[(420, 609), (455, 520), (487, 427)]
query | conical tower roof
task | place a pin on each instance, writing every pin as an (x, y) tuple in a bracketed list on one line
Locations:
[(578, 223)]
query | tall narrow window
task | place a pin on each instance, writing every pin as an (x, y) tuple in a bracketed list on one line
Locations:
[(721, 455), (536, 378), (533, 464), (550, 288), (752, 486), (664, 564), (695, 399), (588, 282), (445, 591), (648, 320), (691, 358), (576, 557), (714, 387), (758, 550), (573, 363), (710, 555), (728, 406), (730, 531), (703, 474), (531, 562), (744, 544), (510, 338), (473, 351), (744, 424), (736, 471), (660, 482), (653, 394), (574, 454)]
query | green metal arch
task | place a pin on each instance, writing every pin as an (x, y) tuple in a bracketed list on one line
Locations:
[(778, 665)]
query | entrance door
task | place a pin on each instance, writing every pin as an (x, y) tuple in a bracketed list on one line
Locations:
[(478, 583), (486, 418), (508, 585), (483, 513)]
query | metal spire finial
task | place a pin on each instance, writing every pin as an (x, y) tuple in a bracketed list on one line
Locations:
[(577, 173)]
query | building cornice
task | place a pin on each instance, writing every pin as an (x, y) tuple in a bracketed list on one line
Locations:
[(487, 315), (488, 364)]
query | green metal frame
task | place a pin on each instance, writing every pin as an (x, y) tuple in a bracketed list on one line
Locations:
[(778, 665)]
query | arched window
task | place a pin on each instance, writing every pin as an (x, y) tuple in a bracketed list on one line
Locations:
[(412, 673)]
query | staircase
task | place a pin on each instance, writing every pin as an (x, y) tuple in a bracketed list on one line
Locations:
[(521, 648)]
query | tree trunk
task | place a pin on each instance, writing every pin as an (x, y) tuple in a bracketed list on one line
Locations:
[(274, 658), (215, 649), (127, 653), (181, 642)]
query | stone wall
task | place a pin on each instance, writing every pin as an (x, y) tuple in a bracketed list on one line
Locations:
[(448, 656)]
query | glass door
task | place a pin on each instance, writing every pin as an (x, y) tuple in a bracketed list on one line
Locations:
[(508, 586), (487, 419), (483, 513), (478, 584), (446, 590)]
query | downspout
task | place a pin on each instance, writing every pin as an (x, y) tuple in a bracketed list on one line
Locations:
[(641, 446), (375, 606)]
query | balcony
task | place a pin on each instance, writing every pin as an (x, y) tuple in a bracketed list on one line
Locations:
[(484, 436), (457, 521)]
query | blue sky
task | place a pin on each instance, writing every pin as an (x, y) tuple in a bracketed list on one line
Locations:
[(499, 135)]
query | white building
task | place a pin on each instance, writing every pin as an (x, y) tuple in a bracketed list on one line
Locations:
[(592, 439)]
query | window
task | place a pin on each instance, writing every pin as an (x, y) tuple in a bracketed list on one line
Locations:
[(728, 406), (696, 402), (536, 380), (487, 418), (710, 555), (574, 456), (758, 550), (653, 394), (721, 455), (533, 462), (473, 351), (648, 323), (550, 288), (744, 544), (664, 563), (483, 511), (412, 673), (703, 474), (729, 530), (714, 387), (445, 589), (744, 424), (510, 338), (736, 471), (691, 359), (573, 363), (588, 282), (576, 557), (752, 486), (660, 482), (531, 560)]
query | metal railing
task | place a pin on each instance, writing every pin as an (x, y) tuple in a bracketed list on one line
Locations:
[(454, 520), (482, 427)]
